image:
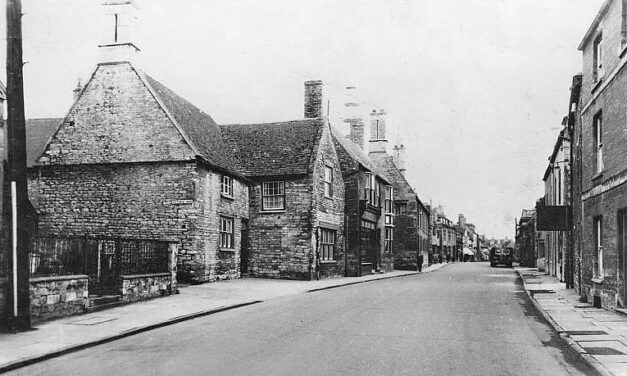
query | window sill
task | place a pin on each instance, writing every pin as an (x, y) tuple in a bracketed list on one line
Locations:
[(230, 250), (328, 261), (596, 84), (598, 280), (271, 211), (227, 196), (597, 176)]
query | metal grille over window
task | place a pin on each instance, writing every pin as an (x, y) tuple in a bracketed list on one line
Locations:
[(227, 186), (226, 232), (328, 181), (273, 195), (327, 244)]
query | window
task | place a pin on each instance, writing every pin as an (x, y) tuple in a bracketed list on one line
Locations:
[(598, 242), (401, 208), (327, 244), (226, 232), (273, 195), (328, 181), (598, 141), (371, 190), (389, 205), (597, 58), (389, 239), (227, 186)]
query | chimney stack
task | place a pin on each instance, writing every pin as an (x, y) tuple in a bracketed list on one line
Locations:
[(399, 158), (353, 117), (462, 220), (77, 90), (378, 142), (313, 99), (117, 42)]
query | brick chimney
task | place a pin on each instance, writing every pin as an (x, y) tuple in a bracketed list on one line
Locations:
[(313, 99), (378, 142), (353, 117), (399, 158), (117, 40)]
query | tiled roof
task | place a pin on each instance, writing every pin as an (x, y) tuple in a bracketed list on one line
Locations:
[(38, 133), (356, 153), (199, 128), (274, 149), (385, 163)]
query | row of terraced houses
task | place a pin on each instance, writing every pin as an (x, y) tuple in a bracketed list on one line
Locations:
[(578, 230), (136, 190)]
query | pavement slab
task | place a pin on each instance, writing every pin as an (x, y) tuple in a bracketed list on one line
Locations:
[(599, 335)]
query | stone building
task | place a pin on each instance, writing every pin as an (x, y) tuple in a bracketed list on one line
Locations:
[(526, 237), (296, 195), (132, 159), (603, 137), (369, 208), (552, 257), (411, 217)]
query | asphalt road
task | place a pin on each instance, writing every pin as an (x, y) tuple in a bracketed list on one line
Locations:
[(465, 319)]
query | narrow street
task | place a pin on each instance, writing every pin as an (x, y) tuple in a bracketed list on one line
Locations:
[(466, 319)]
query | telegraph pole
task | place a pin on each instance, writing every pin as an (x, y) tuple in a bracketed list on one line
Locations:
[(19, 316)]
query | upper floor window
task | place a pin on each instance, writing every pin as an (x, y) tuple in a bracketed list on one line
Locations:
[(227, 186), (597, 58), (273, 195), (328, 181), (389, 205), (598, 240), (401, 208), (226, 232), (372, 190), (598, 141), (327, 244)]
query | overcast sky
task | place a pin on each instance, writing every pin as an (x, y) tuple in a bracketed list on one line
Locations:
[(475, 89)]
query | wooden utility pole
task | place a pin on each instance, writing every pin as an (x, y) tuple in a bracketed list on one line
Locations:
[(19, 317)]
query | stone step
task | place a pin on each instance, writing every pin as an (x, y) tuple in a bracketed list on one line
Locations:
[(101, 302)]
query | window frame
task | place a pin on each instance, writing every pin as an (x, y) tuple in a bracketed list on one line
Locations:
[(226, 181), (265, 188), (389, 240), (598, 142), (226, 236), (328, 181), (597, 57), (598, 247), (388, 206), (328, 238)]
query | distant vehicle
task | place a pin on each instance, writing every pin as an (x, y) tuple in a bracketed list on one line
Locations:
[(485, 255), (501, 256)]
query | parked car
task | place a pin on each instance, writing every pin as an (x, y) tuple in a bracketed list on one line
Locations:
[(501, 256)]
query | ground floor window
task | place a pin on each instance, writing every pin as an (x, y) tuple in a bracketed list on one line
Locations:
[(598, 242), (389, 239), (327, 244), (226, 232)]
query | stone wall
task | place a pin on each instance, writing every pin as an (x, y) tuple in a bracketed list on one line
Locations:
[(146, 286), (53, 297), (281, 241), (329, 211)]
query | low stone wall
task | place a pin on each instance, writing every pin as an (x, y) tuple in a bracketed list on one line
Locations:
[(146, 286), (58, 296)]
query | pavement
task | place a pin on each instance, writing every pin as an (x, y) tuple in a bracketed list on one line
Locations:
[(599, 336), (62, 336)]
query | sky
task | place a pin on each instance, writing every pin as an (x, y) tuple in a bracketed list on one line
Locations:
[(474, 89)]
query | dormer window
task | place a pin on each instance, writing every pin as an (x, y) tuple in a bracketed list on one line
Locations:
[(597, 58), (227, 186)]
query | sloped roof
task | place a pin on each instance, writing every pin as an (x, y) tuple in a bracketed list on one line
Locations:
[(38, 132), (274, 149), (357, 154), (528, 213), (384, 162), (201, 130)]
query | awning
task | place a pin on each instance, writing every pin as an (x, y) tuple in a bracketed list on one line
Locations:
[(468, 251)]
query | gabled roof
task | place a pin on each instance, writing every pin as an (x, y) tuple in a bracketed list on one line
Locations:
[(199, 128), (384, 162), (274, 149), (38, 132), (357, 154)]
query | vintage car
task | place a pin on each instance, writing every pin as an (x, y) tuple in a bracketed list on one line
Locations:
[(501, 256)]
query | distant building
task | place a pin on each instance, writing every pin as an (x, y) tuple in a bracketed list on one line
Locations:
[(526, 238)]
